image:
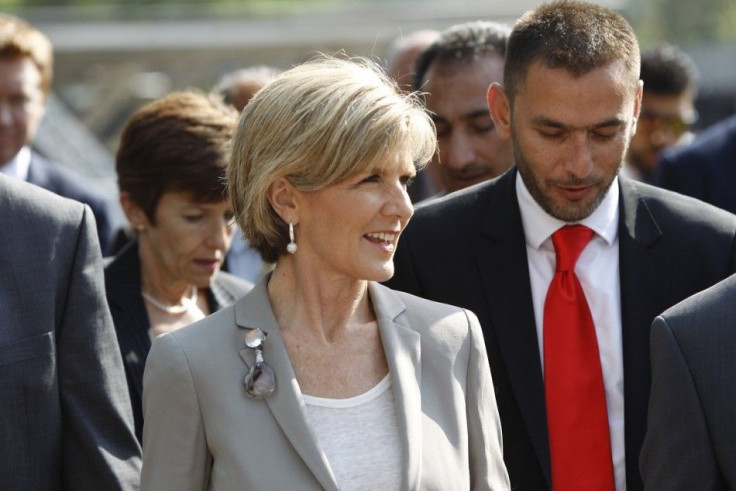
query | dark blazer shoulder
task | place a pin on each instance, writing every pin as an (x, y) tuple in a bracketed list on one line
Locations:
[(714, 307), (64, 182), (675, 210), (57, 179)]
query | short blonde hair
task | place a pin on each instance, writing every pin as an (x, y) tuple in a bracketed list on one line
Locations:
[(316, 125), (19, 39)]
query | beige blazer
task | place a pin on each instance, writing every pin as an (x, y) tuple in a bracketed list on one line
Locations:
[(201, 431)]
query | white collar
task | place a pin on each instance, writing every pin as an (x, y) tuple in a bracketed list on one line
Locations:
[(17, 167), (539, 225)]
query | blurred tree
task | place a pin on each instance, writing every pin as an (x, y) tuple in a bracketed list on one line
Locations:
[(683, 21)]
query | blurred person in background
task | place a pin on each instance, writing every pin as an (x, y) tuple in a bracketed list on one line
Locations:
[(26, 69), (667, 109), (171, 173), (320, 377), (705, 169), (454, 74), (65, 419), (236, 89), (402, 56)]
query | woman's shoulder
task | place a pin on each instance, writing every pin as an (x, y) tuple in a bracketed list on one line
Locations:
[(206, 336), (422, 314)]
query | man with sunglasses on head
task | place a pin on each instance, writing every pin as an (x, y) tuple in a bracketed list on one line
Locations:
[(705, 169), (667, 108)]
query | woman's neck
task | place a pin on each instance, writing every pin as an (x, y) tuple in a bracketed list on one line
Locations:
[(160, 286), (325, 306)]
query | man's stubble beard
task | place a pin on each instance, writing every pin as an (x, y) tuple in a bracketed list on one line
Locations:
[(567, 212)]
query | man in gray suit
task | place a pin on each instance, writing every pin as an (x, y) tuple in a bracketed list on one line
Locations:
[(65, 417), (691, 439), (26, 66)]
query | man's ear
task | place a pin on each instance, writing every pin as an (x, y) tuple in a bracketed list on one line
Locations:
[(134, 213), (284, 200), (637, 108), (500, 109)]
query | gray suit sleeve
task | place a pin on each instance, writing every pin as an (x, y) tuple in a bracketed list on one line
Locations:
[(487, 468), (174, 444), (677, 452), (100, 450)]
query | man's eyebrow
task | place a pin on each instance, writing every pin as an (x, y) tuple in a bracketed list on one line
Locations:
[(477, 113), (551, 123)]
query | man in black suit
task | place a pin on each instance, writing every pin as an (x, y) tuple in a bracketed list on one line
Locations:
[(691, 438), (569, 105), (705, 169), (26, 60)]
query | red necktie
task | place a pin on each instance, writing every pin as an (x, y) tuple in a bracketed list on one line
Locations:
[(580, 444)]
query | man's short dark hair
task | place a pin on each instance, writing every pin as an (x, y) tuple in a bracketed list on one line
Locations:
[(575, 36), (666, 70), (463, 43)]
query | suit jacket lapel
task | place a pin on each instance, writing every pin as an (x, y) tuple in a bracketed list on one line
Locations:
[(646, 278), (123, 285), (254, 311), (504, 271), (402, 347)]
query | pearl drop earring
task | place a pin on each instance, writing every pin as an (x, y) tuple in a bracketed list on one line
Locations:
[(291, 246)]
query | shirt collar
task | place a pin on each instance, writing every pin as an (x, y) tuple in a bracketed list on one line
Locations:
[(539, 225), (17, 167)]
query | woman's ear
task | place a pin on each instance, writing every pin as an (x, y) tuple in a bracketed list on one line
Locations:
[(134, 213), (284, 200), (500, 109)]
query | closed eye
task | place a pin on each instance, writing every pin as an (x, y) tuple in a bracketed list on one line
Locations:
[(372, 178)]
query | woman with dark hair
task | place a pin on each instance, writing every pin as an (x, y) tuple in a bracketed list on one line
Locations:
[(171, 173)]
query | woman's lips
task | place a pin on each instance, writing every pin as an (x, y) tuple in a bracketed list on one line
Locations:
[(208, 264)]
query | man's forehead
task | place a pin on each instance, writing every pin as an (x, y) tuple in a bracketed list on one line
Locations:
[(475, 68)]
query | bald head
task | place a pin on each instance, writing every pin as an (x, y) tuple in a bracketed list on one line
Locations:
[(404, 52)]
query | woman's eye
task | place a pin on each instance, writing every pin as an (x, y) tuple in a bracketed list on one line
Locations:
[(192, 218), (406, 181), (372, 178)]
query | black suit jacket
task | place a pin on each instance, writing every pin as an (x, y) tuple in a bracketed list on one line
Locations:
[(691, 439), (705, 169), (123, 289), (468, 249), (52, 176)]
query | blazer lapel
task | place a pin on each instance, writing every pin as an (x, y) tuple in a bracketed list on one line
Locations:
[(646, 279), (403, 353), (123, 288), (504, 271), (286, 405)]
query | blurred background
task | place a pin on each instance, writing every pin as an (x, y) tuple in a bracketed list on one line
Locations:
[(112, 57)]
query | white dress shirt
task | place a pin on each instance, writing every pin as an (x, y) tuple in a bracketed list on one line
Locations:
[(598, 272), (18, 166)]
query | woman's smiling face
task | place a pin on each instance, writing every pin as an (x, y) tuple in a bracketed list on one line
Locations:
[(352, 228)]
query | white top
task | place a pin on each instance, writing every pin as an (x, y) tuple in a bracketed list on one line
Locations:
[(18, 166), (598, 272), (360, 436)]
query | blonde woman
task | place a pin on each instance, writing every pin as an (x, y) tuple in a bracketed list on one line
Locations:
[(320, 377)]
